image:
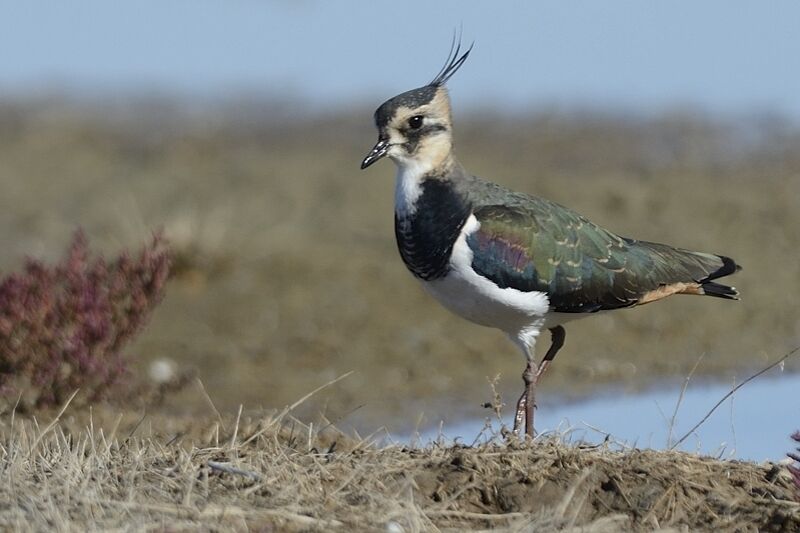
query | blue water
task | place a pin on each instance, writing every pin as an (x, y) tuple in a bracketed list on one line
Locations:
[(754, 424)]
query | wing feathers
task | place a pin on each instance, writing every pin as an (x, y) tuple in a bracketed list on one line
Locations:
[(545, 247)]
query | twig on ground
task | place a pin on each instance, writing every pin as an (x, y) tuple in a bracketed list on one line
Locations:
[(292, 407), (236, 427), (496, 405), (136, 426), (685, 386), (210, 402), (14, 410), (731, 392), (53, 422), (335, 421), (321, 387), (228, 469), (474, 516)]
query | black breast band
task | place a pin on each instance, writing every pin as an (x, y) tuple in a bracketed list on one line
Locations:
[(426, 237)]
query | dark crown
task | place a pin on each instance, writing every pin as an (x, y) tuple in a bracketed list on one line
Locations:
[(424, 94)]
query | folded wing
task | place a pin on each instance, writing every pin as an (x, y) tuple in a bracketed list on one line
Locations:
[(541, 246)]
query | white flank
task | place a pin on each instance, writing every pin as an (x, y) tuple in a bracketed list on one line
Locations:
[(522, 315)]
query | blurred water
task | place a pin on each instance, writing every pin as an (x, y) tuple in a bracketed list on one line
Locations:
[(753, 424)]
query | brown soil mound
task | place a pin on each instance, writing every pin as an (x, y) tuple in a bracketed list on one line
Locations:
[(650, 489), (273, 473)]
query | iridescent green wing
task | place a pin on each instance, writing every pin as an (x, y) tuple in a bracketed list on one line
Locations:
[(531, 244)]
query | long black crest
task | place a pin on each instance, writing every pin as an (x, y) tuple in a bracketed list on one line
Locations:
[(453, 63)]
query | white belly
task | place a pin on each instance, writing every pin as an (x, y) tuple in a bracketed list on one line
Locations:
[(477, 299)]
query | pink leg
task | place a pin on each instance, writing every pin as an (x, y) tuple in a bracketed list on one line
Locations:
[(524, 410), (526, 404)]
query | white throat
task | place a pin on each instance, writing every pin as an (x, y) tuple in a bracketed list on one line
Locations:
[(408, 186)]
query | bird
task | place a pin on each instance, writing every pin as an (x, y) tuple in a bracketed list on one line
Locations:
[(510, 260)]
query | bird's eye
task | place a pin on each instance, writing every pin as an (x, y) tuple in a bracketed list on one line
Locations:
[(415, 122)]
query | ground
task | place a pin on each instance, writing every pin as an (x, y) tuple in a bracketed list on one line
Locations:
[(113, 470)]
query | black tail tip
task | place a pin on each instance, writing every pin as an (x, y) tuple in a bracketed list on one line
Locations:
[(720, 291)]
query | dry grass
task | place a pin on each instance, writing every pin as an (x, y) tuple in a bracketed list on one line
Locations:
[(112, 471), (289, 274)]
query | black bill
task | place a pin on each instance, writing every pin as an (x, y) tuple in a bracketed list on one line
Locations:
[(378, 151)]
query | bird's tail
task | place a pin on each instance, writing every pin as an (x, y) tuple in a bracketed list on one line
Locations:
[(711, 288), (719, 290), (686, 272)]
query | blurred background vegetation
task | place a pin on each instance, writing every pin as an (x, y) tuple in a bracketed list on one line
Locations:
[(239, 127), (286, 273)]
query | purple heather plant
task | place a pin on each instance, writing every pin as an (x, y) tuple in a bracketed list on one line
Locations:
[(63, 327)]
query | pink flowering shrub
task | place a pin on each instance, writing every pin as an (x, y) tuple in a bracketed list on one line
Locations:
[(63, 327)]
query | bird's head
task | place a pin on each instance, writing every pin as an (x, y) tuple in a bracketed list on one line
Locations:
[(415, 127)]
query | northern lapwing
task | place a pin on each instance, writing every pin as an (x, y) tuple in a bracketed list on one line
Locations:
[(509, 260)]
